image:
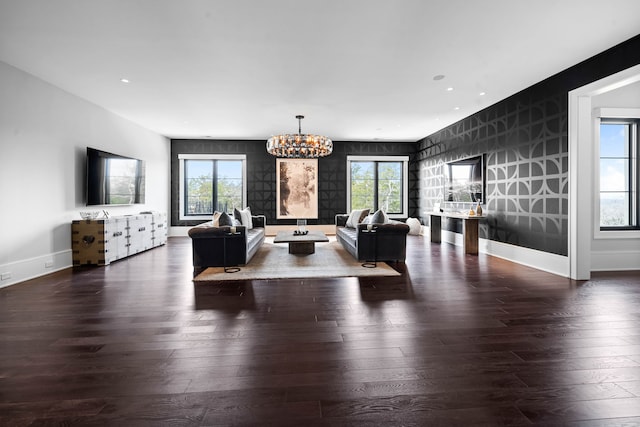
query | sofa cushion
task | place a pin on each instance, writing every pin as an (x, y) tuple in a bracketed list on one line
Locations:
[(356, 216), (348, 237), (225, 219), (244, 216), (255, 236), (348, 233)]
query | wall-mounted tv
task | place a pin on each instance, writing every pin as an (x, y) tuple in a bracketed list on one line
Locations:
[(464, 180), (113, 179)]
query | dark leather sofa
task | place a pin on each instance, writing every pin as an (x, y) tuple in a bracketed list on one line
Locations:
[(388, 243), (208, 244)]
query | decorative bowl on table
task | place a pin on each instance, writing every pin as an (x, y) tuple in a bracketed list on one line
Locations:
[(89, 215)]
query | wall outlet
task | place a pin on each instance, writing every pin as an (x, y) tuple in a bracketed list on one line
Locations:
[(48, 264), (5, 276)]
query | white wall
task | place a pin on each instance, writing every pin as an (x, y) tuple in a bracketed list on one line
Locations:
[(44, 132)]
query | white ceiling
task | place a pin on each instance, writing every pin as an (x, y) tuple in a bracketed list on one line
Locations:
[(357, 69)]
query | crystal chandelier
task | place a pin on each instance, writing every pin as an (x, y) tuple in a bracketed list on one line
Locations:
[(300, 145)]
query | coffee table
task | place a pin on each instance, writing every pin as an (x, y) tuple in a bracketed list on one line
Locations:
[(301, 244)]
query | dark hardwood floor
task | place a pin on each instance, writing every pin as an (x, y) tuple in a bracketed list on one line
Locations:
[(458, 340)]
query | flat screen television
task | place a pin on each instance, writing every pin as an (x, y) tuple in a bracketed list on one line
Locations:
[(113, 179), (464, 180)]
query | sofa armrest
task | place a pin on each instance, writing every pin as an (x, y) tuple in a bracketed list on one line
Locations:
[(395, 227), (207, 229), (341, 220), (259, 221)]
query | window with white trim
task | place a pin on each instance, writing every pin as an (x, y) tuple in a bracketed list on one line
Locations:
[(619, 174), (211, 182), (378, 182)]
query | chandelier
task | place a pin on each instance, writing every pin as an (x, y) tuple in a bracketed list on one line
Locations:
[(300, 145)]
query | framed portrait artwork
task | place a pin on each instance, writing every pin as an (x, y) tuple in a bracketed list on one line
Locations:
[(297, 188)]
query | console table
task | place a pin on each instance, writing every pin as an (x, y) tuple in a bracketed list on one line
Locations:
[(469, 228), (102, 241)]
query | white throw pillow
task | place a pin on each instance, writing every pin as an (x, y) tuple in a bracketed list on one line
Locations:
[(245, 217), (414, 226), (356, 216)]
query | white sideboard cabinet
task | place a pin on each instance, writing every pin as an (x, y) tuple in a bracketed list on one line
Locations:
[(102, 241)]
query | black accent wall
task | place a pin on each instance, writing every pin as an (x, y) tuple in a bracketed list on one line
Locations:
[(525, 138), (261, 175)]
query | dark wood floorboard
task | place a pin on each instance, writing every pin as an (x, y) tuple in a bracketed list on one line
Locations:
[(456, 340)]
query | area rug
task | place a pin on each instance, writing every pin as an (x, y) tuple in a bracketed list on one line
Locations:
[(273, 261)]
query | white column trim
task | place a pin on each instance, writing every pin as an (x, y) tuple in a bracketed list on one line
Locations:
[(581, 179)]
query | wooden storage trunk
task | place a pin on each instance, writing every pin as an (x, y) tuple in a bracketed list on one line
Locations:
[(102, 241)]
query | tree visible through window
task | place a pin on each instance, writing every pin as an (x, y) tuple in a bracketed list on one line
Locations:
[(362, 185), (377, 185), (618, 174), (212, 185), (390, 186)]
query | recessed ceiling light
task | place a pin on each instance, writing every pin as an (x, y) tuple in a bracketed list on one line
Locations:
[(449, 89), (456, 108), (482, 93), (438, 77), (124, 80)]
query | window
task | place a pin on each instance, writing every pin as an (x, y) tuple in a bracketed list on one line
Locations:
[(619, 167), (378, 183), (211, 183)]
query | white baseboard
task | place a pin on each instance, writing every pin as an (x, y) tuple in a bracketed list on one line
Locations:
[(552, 263), (179, 231), (615, 261), (27, 269)]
